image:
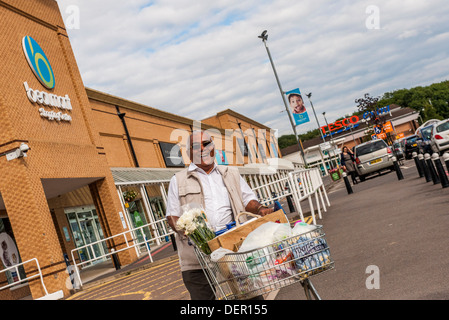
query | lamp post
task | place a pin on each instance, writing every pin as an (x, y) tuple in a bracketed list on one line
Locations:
[(264, 37), (332, 140), (352, 133), (313, 109), (319, 129)]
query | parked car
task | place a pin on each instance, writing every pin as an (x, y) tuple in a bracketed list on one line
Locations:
[(427, 123), (425, 133), (371, 157), (397, 150), (411, 144), (439, 140)]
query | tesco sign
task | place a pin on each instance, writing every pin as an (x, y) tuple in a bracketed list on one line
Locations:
[(339, 124), (342, 125)]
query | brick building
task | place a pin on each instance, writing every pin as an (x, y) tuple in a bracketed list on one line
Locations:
[(63, 192)]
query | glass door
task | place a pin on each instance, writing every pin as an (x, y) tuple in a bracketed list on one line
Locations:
[(86, 229), (91, 236)]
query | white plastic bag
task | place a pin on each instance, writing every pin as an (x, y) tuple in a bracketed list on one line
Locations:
[(282, 232), (219, 253), (260, 237), (301, 228)]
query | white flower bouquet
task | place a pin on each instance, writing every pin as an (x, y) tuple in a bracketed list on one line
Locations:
[(194, 223)]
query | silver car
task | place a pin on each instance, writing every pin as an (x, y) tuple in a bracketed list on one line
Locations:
[(373, 156)]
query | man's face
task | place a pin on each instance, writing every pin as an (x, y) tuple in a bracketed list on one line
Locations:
[(296, 102), (202, 149)]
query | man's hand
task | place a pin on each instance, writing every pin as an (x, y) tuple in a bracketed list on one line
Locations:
[(264, 211), (172, 223), (255, 207)]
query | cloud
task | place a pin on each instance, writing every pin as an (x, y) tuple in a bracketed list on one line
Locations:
[(198, 58)]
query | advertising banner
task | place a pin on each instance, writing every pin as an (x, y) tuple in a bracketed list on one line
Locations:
[(297, 106), (220, 156), (8, 251)]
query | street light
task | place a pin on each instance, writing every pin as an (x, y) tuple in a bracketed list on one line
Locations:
[(313, 109), (330, 135), (264, 37), (319, 129)]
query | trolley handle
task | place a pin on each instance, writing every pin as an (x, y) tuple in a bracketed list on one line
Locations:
[(237, 222)]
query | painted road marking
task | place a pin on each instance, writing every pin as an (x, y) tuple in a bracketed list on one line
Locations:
[(307, 220), (138, 283)]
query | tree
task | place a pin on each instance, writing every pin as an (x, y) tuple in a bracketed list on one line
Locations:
[(367, 103), (432, 102), (286, 141)]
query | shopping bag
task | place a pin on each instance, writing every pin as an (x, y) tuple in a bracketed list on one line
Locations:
[(234, 237)]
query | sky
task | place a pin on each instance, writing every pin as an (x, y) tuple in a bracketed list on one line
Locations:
[(196, 58)]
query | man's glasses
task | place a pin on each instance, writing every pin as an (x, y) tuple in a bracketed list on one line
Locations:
[(205, 144)]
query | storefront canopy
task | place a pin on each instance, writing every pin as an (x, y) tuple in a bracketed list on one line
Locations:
[(135, 176)]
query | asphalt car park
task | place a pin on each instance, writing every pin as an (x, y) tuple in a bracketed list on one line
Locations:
[(398, 228)]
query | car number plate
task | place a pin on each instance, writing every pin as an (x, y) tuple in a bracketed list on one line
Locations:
[(414, 145), (376, 161)]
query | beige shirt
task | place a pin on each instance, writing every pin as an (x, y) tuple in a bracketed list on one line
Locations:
[(218, 206)]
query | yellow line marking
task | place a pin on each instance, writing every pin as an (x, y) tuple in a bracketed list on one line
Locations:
[(90, 291), (307, 220)]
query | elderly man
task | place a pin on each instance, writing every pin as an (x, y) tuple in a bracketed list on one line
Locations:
[(222, 192)]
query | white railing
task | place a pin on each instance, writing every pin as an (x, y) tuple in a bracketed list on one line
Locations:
[(113, 251), (308, 183), (16, 267), (302, 184)]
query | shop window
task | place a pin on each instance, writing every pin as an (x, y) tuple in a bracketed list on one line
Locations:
[(137, 215), (172, 154)]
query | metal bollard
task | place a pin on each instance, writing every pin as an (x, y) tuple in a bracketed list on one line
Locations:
[(348, 185), (115, 260), (440, 170), (397, 168), (432, 170), (417, 164), (424, 168), (446, 160)]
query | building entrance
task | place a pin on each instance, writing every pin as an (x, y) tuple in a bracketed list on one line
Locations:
[(86, 229)]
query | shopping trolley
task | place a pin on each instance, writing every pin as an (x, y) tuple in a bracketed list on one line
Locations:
[(245, 275)]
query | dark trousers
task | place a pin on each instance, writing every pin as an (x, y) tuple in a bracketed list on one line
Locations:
[(196, 283), (353, 175)]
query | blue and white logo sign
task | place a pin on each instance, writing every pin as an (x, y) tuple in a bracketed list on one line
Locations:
[(38, 62)]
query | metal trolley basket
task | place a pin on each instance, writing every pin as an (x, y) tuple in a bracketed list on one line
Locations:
[(245, 275)]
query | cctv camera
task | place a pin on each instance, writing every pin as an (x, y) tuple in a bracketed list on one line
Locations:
[(24, 147)]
